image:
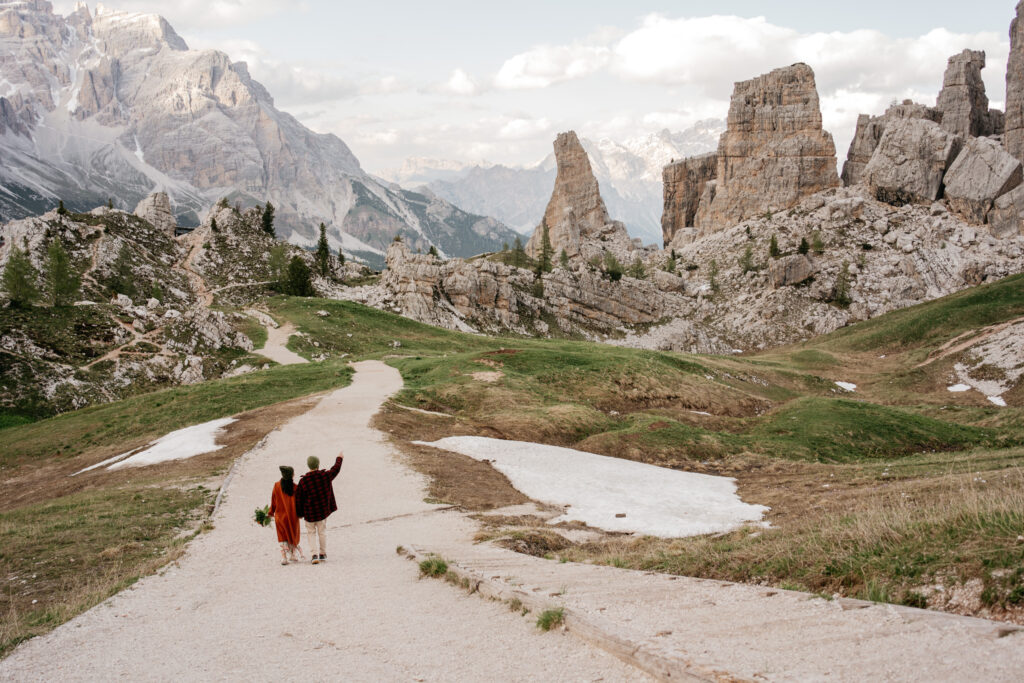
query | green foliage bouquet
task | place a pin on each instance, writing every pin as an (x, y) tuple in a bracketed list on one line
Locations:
[(262, 516)]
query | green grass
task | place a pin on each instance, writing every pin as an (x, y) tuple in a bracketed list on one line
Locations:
[(932, 323), (254, 330), (74, 552), (152, 415), (433, 567), (551, 618)]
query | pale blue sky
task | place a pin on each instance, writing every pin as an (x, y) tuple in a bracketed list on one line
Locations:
[(473, 80)]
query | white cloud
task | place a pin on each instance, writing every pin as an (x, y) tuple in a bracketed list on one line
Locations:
[(200, 14), (459, 83), (523, 128), (546, 65)]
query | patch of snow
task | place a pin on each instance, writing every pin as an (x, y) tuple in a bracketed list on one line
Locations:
[(998, 400), (847, 386), (178, 445), (701, 412), (959, 388), (596, 488)]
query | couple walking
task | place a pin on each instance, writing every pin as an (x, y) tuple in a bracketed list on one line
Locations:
[(312, 500)]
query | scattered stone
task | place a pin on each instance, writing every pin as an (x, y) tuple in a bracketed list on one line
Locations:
[(1006, 219)]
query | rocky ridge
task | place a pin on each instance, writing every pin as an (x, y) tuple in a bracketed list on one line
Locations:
[(107, 104), (144, 319)]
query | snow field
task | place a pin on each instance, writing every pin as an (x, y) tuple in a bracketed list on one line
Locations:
[(177, 445), (597, 489)]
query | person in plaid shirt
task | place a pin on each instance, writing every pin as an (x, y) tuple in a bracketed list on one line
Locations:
[(314, 502)]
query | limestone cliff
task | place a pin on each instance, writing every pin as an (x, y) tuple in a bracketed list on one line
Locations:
[(774, 151), (576, 212), (684, 183), (1014, 135), (962, 100), (869, 133)]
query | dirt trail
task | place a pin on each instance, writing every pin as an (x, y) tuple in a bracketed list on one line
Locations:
[(229, 610), (193, 241), (966, 341), (276, 348)]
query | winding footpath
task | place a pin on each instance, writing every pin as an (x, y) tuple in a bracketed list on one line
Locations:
[(229, 611)]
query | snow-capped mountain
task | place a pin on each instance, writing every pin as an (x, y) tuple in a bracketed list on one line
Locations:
[(629, 173), (115, 105)]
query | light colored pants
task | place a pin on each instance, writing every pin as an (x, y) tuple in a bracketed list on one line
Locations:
[(317, 531)]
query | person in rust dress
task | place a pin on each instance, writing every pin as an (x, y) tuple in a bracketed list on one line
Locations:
[(282, 509)]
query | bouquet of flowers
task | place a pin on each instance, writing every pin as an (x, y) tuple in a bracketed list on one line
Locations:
[(262, 516)]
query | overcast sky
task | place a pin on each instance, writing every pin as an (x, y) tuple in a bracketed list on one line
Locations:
[(467, 81)]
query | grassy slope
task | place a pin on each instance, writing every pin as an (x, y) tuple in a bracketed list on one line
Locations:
[(71, 550)]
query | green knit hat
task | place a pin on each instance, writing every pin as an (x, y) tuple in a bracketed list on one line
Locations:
[(313, 462), (287, 472)]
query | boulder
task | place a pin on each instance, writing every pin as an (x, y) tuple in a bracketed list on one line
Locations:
[(962, 100), (1006, 219), (683, 185), (910, 162), (982, 173), (1013, 137), (774, 152), (156, 209), (869, 133), (576, 211), (790, 270), (669, 282)]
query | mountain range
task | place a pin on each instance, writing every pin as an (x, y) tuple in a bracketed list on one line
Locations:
[(629, 173), (109, 105)]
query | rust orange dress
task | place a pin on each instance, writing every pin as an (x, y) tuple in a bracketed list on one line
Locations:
[(282, 509)]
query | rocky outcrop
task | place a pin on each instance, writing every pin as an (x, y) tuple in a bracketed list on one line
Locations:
[(982, 173), (774, 151), (1013, 137), (156, 208), (1006, 220), (790, 270), (962, 100), (683, 184), (910, 162), (869, 133), (576, 213), (486, 295)]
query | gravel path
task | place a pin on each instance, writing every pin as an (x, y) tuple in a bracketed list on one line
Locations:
[(230, 611), (276, 348)]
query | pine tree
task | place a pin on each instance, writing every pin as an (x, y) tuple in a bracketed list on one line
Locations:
[(19, 279), (842, 292), (277, 263), (433, 251), (804, 246), (213, 225), (323, 253), (747, 260), (123, 279), (670, 264), (61, 211), (816, 243), (563, 260), (545, 249), (299, 279), (773, 247), (517, 253), (341, 257), (713, 275), (637, 270), (504, 247), (268, 219), (64, 282), (110, 203), (612, 268)]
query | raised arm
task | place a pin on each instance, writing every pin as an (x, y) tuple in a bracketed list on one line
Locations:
[(337, 466)]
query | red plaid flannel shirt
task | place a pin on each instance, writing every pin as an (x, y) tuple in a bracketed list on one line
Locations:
[(314, 495)]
